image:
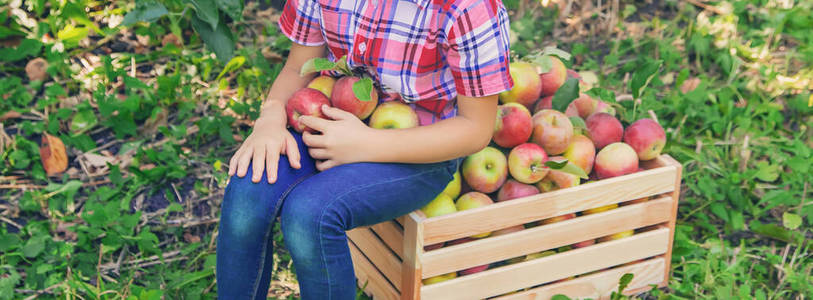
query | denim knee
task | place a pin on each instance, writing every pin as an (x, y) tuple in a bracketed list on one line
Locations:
[(244, 210), (306, 221)]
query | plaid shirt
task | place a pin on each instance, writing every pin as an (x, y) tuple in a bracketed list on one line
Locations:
[(424, 52)]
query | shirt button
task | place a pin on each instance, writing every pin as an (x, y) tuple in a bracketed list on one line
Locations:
[(362, 47)]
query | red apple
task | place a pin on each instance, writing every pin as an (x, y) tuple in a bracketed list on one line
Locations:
[(582, 107), (604, 129), (646, 137), (581, 152), (557, 219), (473, 200), (513, 125), (544, 103), (392, 114), (603, 107), (526, 163), (305, 102), (512, 189), (615, 160), (323, 83), (552, 130), (485, 171), (554, 78), (344, 98), (527, 85), (433, 246), (583, 244), (556, 179)]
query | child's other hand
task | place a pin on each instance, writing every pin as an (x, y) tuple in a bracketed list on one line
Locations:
[(342, 141)]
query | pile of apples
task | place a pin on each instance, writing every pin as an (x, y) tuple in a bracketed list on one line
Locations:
[(527, 134), (326, 90)]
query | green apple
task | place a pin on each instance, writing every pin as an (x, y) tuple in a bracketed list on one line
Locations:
[(453, 188), (441, 205)]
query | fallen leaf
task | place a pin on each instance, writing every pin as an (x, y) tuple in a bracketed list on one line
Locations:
[(689, 85), (36, 69), (171, 39), (52, 153), (191, 238)]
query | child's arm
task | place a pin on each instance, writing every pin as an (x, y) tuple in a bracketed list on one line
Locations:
[(346, 139), (269, 138)]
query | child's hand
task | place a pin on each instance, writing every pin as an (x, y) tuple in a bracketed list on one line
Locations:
[(343, 139), (262, 148)]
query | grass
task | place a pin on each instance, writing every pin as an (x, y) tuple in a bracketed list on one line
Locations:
[(149, 126)]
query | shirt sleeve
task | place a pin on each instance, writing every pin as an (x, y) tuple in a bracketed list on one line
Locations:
[(478, 54), (300, 22)]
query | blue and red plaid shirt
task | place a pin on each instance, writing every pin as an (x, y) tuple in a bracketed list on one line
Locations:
[(425, 52)]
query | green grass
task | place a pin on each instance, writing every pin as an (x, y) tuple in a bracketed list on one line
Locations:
[(135, 214)]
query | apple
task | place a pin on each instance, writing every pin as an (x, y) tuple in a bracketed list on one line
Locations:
[(441, 205), (471, 270), (513, 126), (581, 152), (646, 137), (344, 98), (508, 230), (636, 201), (439, 278), (527, 84), (392, 114), (323, 83), (604, 129), (513, 189), (556, 179), (616, 236), (531, 256), (602, 106), (552, 130), (473, 200), (554, 78), (544, 103), (615, 160), (305, 102), (433, 246), (486, 170), (582, 107), (557, 219), (600, 209), (453, 188), (526, 163), (583, 244)]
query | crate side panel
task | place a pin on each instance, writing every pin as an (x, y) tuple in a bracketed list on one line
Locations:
[(378, 254), (367, 273)]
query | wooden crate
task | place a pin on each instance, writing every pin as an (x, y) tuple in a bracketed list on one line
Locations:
[(390, 260)]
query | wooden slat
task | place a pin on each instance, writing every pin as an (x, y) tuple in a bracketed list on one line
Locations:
[(392, 235), (540, 238), (599, 285), (673, 218), (413, 250), (546, 269), (366, 272), (532, 208), (378, 253)]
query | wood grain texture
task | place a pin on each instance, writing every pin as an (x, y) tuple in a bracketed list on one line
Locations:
[(413, 250), (532, 208), (378, 254), (541, 238), (599, 285), (547, 269), (392, 235), (377, 287), (668, 160)]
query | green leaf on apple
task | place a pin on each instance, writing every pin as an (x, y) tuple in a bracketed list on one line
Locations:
[(578, 123), (543, 63), (791, 221), (643, 75), (566, 167), (363, 88), (317, 64), (565, 94), (562, 54)]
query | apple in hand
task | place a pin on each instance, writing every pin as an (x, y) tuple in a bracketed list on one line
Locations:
[(581, 152), (305, 102), (486, 170), (513, 189), (323, 83), (552, 130), (604, 129), (554, 78), (615, 160), (527, 84), (646, 137), (526, 163), (513, 126), (473, 200), (441, 205), (393, 115), (344, 98)]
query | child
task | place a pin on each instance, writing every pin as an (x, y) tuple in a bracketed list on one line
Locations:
[(447, 58)]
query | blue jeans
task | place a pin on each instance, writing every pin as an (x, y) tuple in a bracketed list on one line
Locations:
[(318, 208)]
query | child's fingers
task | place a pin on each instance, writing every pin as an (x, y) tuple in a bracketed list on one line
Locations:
[(313, 140), (326, 164), (233, 161), (335, 113), (242, 163), (259, 164), (272, 163), (318, 124), (318, 153), (292, 151)]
